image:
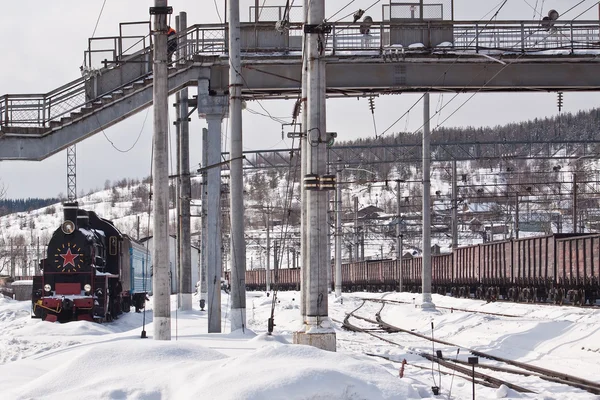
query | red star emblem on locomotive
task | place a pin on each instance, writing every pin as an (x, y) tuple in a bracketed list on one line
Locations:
[(69, 258)]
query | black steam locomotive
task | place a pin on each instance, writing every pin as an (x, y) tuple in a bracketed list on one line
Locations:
[(91, 272)]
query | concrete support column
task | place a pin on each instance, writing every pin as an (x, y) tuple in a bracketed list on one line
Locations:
[(204, 233), (303, 169), (185, 192), (213, 108), (236, 197), (160, 180), (214, 260), (426, 273), (317, 329), (338, 233)]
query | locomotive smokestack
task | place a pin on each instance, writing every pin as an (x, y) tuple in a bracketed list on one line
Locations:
[(70, 212), (83, 219)]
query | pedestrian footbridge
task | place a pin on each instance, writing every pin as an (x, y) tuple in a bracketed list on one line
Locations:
[(393, 57)]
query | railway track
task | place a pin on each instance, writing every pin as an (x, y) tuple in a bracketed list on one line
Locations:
[(461, 366), (448, 308)]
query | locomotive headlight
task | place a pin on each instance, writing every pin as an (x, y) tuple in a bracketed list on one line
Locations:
[(68, 227), (87, 287), (47, 287)]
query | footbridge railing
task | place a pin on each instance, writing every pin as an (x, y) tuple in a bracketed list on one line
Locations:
[(112, 63)]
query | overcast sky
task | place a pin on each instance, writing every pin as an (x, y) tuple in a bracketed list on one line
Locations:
[(42, 49)]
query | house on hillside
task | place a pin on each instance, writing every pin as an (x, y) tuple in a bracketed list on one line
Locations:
[(173, 262), (480, 211)]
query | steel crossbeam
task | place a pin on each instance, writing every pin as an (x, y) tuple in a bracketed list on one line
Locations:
[(357, 155)]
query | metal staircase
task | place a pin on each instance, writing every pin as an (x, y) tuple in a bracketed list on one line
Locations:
[(117, 78)]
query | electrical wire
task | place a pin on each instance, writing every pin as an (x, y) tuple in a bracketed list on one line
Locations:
[(340, 10), (112, 143), (442, 76), (487, 81), (218, 13), (588, 9), (98, 20)]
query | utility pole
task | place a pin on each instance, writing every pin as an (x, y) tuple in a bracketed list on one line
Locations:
[(426, 274), (236, 193), (185, 192), (12, 260), (338, 232), (160, 165), (454, 206), (356, 236), (574, 203), (37, 258), (317, 330), (517, 215), (177, 279), (399, 236), (268, 272)]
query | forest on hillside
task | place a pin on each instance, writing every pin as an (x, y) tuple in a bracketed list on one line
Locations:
[(9, 206)]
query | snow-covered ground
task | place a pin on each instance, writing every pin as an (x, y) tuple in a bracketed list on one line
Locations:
[(42, 360)]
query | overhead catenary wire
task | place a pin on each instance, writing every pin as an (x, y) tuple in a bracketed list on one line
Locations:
[(218, 13), (488, 80), (442, 76), (98, 20)]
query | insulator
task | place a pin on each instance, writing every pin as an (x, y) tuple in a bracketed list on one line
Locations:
[(297, 109), (560, 101), (372, 104), (311, 182), (357, 15), (327, 182)]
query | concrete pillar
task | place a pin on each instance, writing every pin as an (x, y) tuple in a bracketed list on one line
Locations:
[(303, 169), (185, 273), (317, 329), (213, 108), (160, 179), (426, 273), (236, 194), (204, 233), (338, 233)]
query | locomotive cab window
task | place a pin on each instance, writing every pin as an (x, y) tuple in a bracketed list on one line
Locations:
[(112, 246)]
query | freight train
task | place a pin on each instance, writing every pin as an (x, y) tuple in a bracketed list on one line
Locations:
[(91, 272), (559, 268)]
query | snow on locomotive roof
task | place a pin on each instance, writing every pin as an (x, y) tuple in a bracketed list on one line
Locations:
[(91, 233)]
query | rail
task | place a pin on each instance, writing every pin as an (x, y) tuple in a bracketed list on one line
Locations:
[(466, 37)]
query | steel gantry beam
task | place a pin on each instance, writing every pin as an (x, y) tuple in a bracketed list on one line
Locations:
[(356, 155)]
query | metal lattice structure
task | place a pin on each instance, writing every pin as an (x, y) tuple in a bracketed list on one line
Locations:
[(72, 172)]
